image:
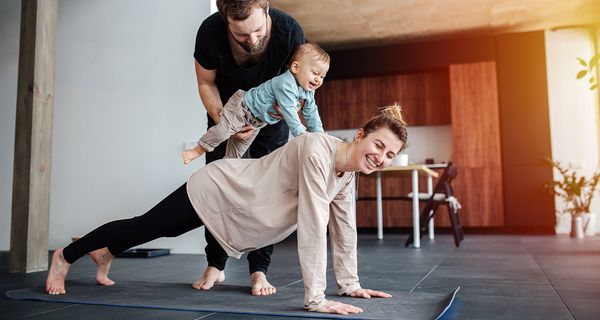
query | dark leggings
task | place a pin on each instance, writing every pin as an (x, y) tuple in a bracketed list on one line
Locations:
[(171, 217)]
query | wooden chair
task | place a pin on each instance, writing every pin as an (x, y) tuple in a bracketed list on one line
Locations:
[(443, 194)]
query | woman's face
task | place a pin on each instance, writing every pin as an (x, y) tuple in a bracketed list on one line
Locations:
[(376, 150)]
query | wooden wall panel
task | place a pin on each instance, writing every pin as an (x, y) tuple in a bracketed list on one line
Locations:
[(476, 143), (525, 129), (437, 99), (475, 115), (346, 115), (425, 98), (480, 194), (396, 213)]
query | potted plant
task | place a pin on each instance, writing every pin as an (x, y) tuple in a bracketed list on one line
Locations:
[(589, 70), (577, 191)]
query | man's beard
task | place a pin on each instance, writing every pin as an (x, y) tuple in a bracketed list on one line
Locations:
[(255, 48)]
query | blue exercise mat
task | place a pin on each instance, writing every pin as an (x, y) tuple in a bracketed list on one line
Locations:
[(237, 299)]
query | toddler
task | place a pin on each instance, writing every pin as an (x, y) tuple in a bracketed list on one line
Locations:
[(281, 97)]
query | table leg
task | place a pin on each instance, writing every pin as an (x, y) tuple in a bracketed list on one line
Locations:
[(379, 208), (430, 191), (416, 224)]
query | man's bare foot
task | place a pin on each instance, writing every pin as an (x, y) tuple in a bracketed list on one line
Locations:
[(102, 258), (260, 285), (55, 282), (211, 276)]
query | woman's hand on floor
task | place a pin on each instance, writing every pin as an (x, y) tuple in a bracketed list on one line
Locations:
[(339, 308), (368, 294)]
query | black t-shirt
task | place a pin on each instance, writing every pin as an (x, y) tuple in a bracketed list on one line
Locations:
[(212, 51)]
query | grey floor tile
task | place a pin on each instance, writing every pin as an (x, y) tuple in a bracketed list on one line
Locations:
[(90, 312), (570, 266), (226, 316), (521, 267), (21, 309), (488, 287), (501, 277), (578, 288), (583, 309), (482, 307)]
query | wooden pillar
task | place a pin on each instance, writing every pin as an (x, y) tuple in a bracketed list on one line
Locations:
[(33, 137)]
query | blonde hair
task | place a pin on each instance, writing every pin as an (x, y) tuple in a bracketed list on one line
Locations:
[(310, 48), (388, 117)]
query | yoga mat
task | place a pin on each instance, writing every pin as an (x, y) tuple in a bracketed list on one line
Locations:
[(237, 299)]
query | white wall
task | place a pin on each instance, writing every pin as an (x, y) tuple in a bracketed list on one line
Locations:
[(125, 102), (573, 107), (10, 11), (423, 142)]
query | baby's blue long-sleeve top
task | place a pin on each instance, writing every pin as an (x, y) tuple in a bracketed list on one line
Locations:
[(284, 90)]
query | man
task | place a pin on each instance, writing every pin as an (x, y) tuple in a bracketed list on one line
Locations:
[(243, 45)]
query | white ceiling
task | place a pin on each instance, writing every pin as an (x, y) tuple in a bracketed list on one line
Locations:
[(359, 23)]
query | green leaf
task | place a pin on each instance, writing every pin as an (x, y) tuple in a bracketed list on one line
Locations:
[(582, 62), (581, 74), (592, 80), (594, 59), (594, 87)]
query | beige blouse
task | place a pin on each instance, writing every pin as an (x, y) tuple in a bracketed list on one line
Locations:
[(249, 203)]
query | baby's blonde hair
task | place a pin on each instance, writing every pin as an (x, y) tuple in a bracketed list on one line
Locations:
[(389, 117), (310, 48)]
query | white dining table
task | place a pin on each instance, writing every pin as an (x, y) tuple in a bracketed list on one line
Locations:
[(414, 169)]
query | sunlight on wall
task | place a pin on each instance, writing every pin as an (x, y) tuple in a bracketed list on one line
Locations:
[(573, 107)]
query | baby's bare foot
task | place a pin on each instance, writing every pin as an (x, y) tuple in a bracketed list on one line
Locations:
[(55, 282), (260, 285), (211, 276), (102, 258), (189, 155)]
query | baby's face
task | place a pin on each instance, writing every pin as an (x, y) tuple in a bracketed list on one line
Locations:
[(309, 72)]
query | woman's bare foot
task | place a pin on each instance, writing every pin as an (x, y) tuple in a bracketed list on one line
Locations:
[(102, 258), (260, 285), (55, 282), (211, 276)]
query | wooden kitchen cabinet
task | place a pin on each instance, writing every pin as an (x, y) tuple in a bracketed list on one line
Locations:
[(476, 143), (348, 103)]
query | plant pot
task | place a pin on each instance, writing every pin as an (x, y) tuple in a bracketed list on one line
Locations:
[(589, 223), (577, 227)]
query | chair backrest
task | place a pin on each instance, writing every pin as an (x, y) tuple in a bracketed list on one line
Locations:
[(444, 184)]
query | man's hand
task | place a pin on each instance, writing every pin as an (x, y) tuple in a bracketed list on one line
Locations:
[(339, 308), (278, 114), (244, 133), (368, 294)]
